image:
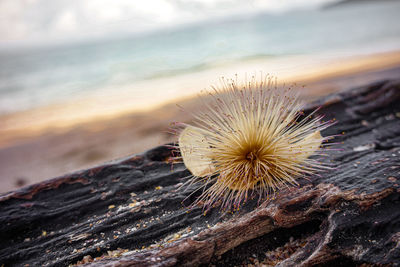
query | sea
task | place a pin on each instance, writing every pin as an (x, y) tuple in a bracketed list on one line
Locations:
[(40, 76)]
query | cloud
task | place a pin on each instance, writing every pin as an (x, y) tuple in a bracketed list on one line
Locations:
[(46, 20), (66, 22)]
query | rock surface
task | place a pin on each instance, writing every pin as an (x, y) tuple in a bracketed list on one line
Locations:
[(130, 213)]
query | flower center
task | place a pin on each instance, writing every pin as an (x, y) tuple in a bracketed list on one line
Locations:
[(251, 156)]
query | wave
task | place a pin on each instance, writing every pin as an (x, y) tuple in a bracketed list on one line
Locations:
[(186, 70), (208, 65)]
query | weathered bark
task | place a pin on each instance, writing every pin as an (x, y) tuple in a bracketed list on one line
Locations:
[(347, 216)]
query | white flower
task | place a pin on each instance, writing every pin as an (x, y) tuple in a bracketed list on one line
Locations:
[(250, 140)]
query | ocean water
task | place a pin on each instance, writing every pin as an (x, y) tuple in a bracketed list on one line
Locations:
[(37, 77)]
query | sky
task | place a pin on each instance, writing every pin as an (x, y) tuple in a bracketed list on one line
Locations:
[(46, 21)]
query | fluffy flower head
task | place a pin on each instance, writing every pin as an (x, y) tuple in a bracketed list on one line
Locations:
[(249, 140)]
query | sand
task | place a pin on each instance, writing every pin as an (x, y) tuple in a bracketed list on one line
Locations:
[(35, 146)]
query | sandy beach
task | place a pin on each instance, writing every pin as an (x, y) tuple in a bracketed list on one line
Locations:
[(54, 140)]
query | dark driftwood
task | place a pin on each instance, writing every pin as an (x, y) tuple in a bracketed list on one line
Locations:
[(129, 212)]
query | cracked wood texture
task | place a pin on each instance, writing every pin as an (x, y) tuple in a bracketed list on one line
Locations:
[(130, 213)]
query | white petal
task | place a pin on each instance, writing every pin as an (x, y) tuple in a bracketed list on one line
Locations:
[(193, 145), (311, 143)]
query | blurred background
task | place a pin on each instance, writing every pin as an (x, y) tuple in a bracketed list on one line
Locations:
[(84, 82)]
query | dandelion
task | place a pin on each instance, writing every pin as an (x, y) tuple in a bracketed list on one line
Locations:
[(251, 139)]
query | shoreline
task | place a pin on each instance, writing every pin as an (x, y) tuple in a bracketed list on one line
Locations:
[(50, 152), (137, 98)]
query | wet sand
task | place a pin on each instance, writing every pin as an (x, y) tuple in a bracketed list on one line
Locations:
[(29, 154)]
